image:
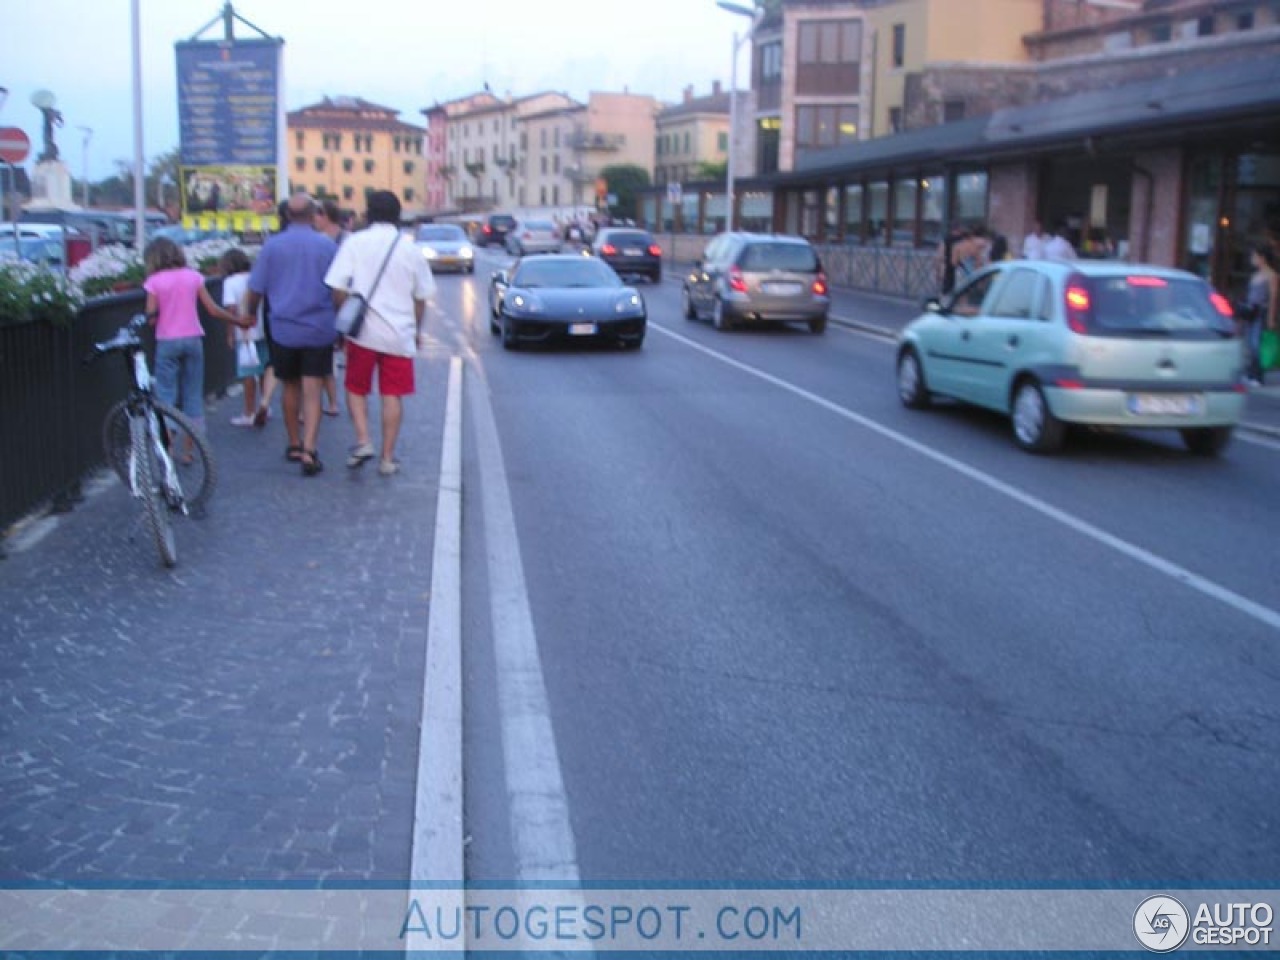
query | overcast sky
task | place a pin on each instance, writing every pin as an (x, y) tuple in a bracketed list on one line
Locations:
[(405, 54)]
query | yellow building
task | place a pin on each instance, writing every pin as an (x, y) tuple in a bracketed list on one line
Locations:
[(346, 147), (692, 134)]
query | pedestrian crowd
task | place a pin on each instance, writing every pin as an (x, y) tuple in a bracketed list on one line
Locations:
[(967, 249), (281, 313)]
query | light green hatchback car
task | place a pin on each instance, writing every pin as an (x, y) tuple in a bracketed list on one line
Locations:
[(1100, 344)]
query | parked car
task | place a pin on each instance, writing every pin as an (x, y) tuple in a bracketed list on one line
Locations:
[(564, 296), (46, 251), (495, 228), (757, 278), (533, 236), (446, 247), (1091, 342), (630, 252)]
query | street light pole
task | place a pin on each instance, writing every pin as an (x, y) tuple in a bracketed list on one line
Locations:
[(738, 41), (139, 187)]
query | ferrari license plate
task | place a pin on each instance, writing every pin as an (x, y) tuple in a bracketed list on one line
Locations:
[(1166, 404), (582, 329)]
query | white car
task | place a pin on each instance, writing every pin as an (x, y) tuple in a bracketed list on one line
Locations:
[(533, 236)]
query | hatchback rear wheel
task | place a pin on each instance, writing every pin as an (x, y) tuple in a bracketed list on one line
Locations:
[(1206, 441), (1034, 426)]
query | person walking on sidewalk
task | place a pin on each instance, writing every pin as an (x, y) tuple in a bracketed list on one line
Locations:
[(290, 272), (329, 222), (1262, 301), (173, 292), (388, 340), (234, 266)]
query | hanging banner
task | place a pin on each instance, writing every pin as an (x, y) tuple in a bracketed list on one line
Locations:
[(229, 119)]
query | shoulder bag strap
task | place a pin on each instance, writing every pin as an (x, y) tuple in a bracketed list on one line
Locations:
[(383, 268)]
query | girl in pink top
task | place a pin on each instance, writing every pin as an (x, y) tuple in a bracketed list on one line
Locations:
[(173, 290)]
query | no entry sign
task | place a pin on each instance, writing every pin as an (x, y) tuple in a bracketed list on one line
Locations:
[(14, 145)]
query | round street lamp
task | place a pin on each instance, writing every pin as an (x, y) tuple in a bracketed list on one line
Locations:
[(755, 15)]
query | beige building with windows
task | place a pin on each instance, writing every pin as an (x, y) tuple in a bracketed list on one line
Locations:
[(692, 135), (347, 147)]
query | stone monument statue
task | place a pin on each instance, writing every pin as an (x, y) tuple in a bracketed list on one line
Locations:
[(51, 180)]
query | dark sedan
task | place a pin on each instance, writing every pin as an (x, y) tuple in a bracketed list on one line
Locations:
[(631, 252), (564, 296)]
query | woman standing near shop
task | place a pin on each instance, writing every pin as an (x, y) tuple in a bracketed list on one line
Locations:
[(1261, 301)]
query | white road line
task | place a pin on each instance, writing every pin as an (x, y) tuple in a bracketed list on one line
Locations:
[(437, 816), (1244, 432), (1250, 608), (539, 809)]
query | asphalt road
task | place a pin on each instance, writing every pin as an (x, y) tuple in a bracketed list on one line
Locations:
[(791, 632)]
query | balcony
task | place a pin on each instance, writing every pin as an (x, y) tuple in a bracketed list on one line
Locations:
[(579, 174), (582, 140), (476, 168)]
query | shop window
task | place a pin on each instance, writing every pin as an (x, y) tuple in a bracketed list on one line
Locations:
[(877, 211), (895, 119), (1244, 21), (971, 198), (1204, 27), (822, 127), (904, 212), (953, 111), (853, 213), (933, 207)]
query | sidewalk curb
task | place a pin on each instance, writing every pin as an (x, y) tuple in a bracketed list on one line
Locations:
[(876, 330)]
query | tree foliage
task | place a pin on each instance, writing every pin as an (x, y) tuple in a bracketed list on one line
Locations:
[(625, 180)]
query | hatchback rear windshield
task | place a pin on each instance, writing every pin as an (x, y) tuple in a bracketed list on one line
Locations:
[(1145, 305), (627, 238), (779, 256), (502, 221)]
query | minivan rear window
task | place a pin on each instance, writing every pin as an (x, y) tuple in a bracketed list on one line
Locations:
[(1147, 305), (757, 257)]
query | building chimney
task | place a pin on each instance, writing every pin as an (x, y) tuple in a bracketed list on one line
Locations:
[(715, 88), (688, 93)]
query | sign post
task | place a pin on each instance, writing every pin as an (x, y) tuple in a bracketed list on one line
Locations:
[(14, 149), (675, 196)]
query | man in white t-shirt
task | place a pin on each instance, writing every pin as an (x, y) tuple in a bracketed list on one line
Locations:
[(393, 322), (1058, 247), (1033, 244)]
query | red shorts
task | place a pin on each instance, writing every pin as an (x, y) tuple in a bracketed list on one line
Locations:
[(395, 374)]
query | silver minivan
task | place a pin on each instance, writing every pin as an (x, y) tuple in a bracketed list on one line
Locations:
[(747, 278)]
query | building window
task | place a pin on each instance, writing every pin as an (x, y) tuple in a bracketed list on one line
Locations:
[(829, 57), (557, 136), (348, 193), (722, 142), (408, 168), (395, 144), (1244, 21), (320, 163), (347, 165), (555, 163), (686, 142), (820, 127), (544, 164), (1161, 33), (555, 194), (899, 44), (768, 139), (543, 138), (300, 139), (368, 166), (542, 194), (408, 194), (953, 111), (895, 119)]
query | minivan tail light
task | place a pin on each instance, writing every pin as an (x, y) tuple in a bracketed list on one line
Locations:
[(820, 285), (737, 282), (608, 249), (1078, 303), (655, 250)]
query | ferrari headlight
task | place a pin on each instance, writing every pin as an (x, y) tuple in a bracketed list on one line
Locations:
[(525, 303), (629, 303)]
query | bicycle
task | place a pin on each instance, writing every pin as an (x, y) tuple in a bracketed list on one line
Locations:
[(142, 437)]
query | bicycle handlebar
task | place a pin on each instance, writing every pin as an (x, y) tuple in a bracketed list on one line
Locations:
[(126, 338)]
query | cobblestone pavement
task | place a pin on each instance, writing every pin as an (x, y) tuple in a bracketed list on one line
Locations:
[(251, 715)]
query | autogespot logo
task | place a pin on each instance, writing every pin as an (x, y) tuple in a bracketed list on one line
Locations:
[(1161, 924)]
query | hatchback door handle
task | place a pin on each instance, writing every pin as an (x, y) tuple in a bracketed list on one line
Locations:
[(1014, 341), (964, 335)]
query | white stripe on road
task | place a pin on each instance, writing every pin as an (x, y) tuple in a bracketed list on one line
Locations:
[(437, 816), (539, 810), (1218, 592)]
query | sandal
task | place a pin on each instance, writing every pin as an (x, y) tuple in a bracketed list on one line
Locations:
[(311, 465), (332, 413), (293, 454)]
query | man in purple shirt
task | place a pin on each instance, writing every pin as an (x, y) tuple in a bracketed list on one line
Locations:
[(290, 272)]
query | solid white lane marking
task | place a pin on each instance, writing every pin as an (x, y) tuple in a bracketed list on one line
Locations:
[(437, 817), (539, 809), (1244, 432), (1242, 604)]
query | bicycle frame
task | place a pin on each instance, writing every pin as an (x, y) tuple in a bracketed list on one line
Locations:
[(139, 406)]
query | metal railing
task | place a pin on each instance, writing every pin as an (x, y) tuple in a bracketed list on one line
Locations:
[(52, 406)]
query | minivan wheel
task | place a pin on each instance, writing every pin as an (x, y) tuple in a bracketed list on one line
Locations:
[(818, 324), (686, 304), (719, 316), (912, 390), (1206, 441), (1034, 426)]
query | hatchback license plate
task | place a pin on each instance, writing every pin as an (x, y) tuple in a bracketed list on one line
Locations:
[(1166, 404), (781, 289), (582, 329)]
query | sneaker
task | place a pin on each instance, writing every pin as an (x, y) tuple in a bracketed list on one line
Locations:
[(388, 468), (244, 420), (359, 454), (1254, 383)]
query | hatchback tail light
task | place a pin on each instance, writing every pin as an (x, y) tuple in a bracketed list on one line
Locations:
[(1078, 304), (608, 249), (737, 282), (1222, 305), (655, 250), (820, 284), (488, 229)]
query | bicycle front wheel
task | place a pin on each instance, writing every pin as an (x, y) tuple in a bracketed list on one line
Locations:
[(198, 477), (149, 476)]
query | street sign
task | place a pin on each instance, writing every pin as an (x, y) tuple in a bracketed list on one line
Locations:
[(674, 194), (14, 145)]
